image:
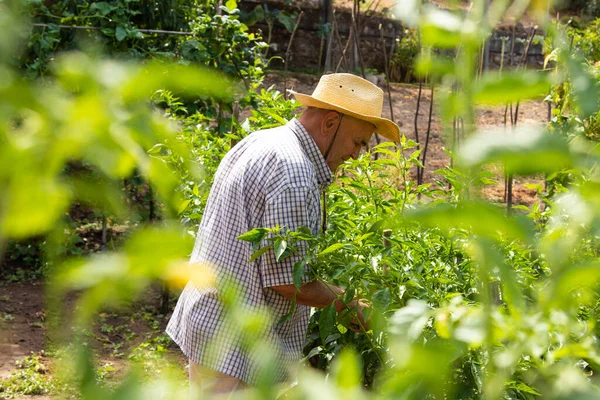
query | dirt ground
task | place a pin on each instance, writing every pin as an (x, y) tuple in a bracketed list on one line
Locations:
[(24, 331), (404, 100), (21, 332)]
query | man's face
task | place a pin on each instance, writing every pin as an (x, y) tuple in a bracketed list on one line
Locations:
[(353, 135)]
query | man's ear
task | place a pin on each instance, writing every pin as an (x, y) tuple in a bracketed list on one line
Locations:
[(330, 123)]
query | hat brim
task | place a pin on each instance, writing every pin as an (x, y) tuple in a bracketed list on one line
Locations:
[(383, 126)]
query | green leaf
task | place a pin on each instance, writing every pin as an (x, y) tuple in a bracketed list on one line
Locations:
[(584, 279), (276, 117), (476, 217), (254, 236), (150, 250), (586, 89), (327, 322), (313, 352), (189, 80), (381, 298), (299, 272), (437, 66), (512, 86), (103, 7), (349, 294), (285, 318), (524, 151), (377, 226), (305, 230), (523, 387), (120, 33), (410, 321), (184, 205), (260, 252), (280, 247), (444, 29), (347, 370), (332, 248), (289, 21), (32, 206), (231, 5)]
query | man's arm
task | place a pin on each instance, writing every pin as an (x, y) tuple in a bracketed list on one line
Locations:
[(314, 294), (319, 294)]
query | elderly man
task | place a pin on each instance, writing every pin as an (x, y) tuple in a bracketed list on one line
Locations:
[(271, 178)]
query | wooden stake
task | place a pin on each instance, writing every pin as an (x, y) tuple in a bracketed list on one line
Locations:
[(287, 54), (424, 158), (387, 73)]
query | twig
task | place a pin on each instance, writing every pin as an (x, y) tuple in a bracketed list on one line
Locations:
[(355, 17), (512, 46), (420, 178), (387, 74), (339, 41), (509, 194), (235, 117), (417, 123), (104, 231), (526, 52), (345, 48), (288, 52), (329, 55), (387, 234), (515, 120)]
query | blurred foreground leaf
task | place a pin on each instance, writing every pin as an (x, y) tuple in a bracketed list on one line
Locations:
[(524, 151), (478, 218), (512, 86)]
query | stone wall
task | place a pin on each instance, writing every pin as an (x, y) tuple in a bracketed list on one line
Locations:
[(310, 52)]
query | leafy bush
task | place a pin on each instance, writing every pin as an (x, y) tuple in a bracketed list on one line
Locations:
[(587, 40), (31, 377), (404, 57)]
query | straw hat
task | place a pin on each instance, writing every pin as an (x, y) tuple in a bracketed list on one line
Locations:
[(354, 96)]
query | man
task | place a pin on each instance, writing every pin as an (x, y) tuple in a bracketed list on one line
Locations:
[(271, 178)]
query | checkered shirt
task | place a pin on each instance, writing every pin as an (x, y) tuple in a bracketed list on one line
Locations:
[(272, 177)]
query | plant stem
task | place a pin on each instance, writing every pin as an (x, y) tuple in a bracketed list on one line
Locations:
[(287, 54)]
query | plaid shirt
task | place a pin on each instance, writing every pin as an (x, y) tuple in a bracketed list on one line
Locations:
[(272, 177)]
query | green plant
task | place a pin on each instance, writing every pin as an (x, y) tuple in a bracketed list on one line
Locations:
[(6, 317), (404, 57), (467, 301), (30, 377)]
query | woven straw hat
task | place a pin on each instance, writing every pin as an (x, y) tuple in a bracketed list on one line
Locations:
[(354, 96)]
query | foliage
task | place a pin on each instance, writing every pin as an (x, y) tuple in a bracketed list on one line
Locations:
[(585, 7), (117, 23), (31, 377), (586, 40), (262, 13), (405, 54), (221, 41), (218, 38), (468, 302)]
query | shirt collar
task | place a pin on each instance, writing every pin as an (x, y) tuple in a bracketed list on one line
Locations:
[(324, 174)]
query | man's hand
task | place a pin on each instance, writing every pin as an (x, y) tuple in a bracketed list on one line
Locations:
[(358, 322), (318, 294)]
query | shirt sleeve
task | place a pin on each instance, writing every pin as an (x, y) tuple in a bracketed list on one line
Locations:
[(289, 210)]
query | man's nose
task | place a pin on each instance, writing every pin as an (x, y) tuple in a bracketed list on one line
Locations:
[(355, 153)]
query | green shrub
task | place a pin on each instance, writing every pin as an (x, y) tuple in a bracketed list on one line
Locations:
[(404, 57)]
